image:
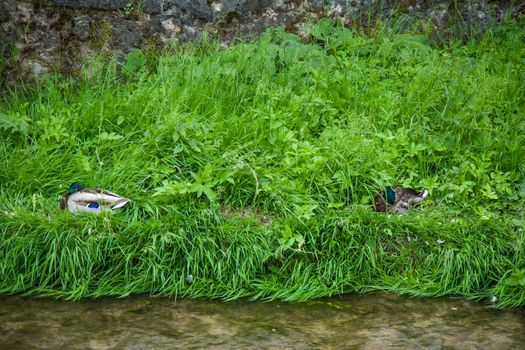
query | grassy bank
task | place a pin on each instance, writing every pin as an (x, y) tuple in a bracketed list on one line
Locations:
[(252, 168)]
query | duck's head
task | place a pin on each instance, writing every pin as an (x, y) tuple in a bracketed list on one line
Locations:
[(390, 195), (74, 187)]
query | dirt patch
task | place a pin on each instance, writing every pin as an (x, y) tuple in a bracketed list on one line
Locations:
[(230, 213)]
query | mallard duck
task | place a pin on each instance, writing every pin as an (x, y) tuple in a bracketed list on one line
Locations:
[(398, 200), (91, 200)]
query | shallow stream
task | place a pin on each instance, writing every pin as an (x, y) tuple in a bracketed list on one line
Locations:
[(371, 321)]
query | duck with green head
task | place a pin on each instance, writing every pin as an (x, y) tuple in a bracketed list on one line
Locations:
[(90, 200), (398, 199)]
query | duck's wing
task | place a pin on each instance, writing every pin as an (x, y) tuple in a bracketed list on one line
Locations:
[(99, 196), (423, 193), (405, 192), (418, 197), (114, 200), (120, 203), (410, 195), (95, 200), (400, 207)]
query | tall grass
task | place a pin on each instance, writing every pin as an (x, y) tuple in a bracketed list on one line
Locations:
[(252, 169)]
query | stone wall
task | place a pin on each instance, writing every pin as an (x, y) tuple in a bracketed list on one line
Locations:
[(58, 35)]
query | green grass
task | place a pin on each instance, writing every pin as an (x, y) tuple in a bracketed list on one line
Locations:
[(252, 168)]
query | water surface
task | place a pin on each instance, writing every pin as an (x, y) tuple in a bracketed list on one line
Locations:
[(371, 321)]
